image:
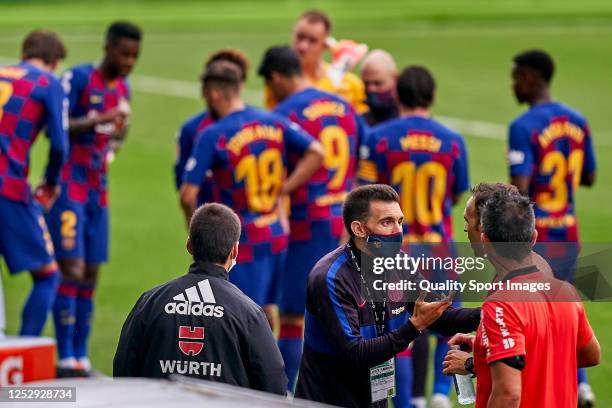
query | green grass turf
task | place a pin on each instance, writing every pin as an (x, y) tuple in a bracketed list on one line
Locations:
[(467, 44)]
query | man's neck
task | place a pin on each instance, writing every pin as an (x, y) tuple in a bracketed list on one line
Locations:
[(541, 97), (314, 71), (298, 84), (421, 112), (37, 62), (358, 243), (107, 73), (233, 105), (503, 266)]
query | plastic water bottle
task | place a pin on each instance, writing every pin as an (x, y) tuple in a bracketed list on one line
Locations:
[(464, 386)]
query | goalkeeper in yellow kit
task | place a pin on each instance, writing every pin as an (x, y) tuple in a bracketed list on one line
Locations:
[(310, 40)]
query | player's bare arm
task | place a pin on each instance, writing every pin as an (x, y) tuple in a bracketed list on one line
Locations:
[(87, 123), (506, 390), (306, 167), (588, 179), (589, 355), (522, 183), (188, 196)]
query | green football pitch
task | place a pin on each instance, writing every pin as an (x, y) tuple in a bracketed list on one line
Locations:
[(467, 44)]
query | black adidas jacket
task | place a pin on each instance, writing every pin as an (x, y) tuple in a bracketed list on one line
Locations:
[(202, 326)]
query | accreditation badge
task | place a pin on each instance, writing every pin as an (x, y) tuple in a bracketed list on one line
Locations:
[(382, 381)]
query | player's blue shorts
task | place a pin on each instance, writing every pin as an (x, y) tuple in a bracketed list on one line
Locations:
[(25, 243), (79, 231), (259, 278), (301, 258)]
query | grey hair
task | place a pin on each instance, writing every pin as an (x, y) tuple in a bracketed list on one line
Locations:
[(508, 221)]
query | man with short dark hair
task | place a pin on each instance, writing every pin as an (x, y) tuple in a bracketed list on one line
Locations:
[(427, 164), (315, 216), (349, 336), (248, 150), (200, 325), (550, 155), (31, 98), (529, 343), (473, 210), (193, 127), (98, 110)]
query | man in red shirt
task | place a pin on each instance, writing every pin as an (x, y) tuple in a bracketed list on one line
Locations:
[(529, 343)]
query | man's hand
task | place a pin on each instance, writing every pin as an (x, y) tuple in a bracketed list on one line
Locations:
[(454, 362), (114, 115), (46, 195), (425, 313), (460, 339)]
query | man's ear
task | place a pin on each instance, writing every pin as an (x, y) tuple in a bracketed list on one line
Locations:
[(534, 237), (234, 251), (358, 229), (484, 238), (189, 247)]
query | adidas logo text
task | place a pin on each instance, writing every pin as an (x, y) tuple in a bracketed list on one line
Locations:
[(200, 301)]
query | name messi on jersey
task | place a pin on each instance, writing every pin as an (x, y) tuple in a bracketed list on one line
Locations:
[(421, 141), (253, 133), (558, 130), (324, 108)]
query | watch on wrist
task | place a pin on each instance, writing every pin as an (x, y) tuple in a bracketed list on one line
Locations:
[(469, 365)]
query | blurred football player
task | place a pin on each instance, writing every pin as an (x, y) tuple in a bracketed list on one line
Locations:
[(427, 164), (98, 114), (550, 154), (315, 216), (247, 149), (31, 98), (379, 75), (310, 41), (194, 126)]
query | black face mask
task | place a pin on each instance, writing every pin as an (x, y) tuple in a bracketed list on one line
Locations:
[(382, 104), (384, 246)]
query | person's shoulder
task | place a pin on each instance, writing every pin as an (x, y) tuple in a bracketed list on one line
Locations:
[(76, 77), (523, 119), (192, 123), (570, 112), (442, 130), (329, 266), (388, 127), (353, 80), (81, 70), (234, 300)]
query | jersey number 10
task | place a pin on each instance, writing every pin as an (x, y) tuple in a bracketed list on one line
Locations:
[(422, 191)]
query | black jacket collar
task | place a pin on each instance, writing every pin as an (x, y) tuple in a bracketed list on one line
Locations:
[(208, 269), (519, 272)]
